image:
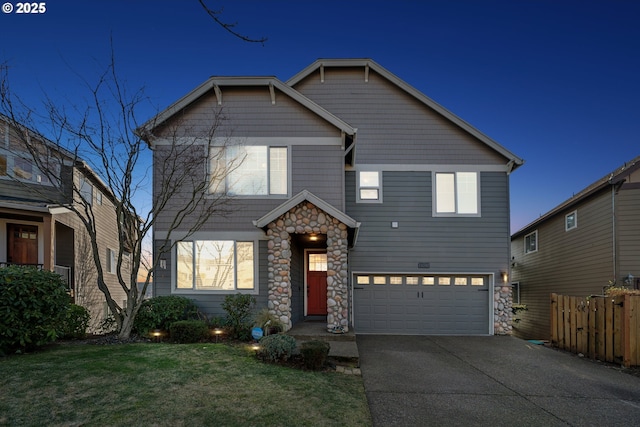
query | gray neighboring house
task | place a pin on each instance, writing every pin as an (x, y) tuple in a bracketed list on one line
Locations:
[(578, 248), (360, 201), (38, 229)]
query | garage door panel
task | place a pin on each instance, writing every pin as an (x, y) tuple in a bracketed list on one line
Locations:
[(456, 308)]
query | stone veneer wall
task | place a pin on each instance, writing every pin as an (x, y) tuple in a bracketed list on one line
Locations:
[(306, 218), (502, 313)]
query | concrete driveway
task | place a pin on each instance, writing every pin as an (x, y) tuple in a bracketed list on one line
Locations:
[(490, 381)]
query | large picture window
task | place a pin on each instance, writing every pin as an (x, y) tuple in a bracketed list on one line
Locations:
[(254, 170), (215, 265), (456, 193)]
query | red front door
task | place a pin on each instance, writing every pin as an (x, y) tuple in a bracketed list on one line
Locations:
[(316, 284), (22, 244)]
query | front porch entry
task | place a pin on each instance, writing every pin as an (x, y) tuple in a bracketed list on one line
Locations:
[(307, 216)]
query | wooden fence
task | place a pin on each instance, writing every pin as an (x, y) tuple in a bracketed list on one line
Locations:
[(603, 328)]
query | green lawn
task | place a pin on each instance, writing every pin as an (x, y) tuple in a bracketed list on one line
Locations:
[(172, 385)]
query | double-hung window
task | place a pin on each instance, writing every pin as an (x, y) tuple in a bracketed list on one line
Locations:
[(215, 265), (456, 193), (254, 170)]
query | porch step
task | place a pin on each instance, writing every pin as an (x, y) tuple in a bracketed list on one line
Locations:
[(308, 331), (342, 346)]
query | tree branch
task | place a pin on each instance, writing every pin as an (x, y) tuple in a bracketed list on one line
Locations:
[(215, 15)]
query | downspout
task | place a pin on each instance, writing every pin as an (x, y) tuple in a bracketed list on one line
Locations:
[(613, 230)]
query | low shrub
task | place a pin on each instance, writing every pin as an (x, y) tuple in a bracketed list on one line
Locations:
[(189, 331), (239, 309), (276, 348), (75, 322), (160, 312), (32, 305), (314, 353)]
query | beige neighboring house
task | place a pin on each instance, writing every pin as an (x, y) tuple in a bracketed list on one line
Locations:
[(578, 248), (37, 228)]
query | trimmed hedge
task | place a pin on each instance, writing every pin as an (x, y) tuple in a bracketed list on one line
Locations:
[(314, 353), (161, 312), (189, 331)]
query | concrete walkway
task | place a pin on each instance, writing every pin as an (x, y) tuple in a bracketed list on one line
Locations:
[(490, 381)]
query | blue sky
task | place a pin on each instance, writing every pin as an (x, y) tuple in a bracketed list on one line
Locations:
[(556, 82)]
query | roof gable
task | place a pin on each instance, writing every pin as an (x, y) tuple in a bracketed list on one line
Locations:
[(217, 84), (370, 65)]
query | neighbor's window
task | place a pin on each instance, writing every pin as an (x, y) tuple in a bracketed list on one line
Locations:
[(571, 221), (3, 165), (86, 191), (249, 170), (531, 242), (111, 261), (215, 265), (369, 186), (22, 168), (456, 193)]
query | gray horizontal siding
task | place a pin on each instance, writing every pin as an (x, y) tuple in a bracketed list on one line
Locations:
[(578, 262), (393, 127), (479, 244), (248, 112)]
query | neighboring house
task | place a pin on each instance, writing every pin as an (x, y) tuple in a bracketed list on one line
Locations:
[(38, 229), (360, 201), (578, 248)]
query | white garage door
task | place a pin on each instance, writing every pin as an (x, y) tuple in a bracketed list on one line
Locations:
[(421, 305)]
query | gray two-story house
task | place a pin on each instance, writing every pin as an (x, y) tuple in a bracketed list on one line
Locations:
[(353, 198)]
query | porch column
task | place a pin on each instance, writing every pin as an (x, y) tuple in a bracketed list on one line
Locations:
[(337, 276), (48, 239), (279, 268)]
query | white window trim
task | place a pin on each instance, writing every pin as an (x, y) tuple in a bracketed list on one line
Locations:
[(379, 187), (193, 291), (566, 217), (434, 196), (526, 251)]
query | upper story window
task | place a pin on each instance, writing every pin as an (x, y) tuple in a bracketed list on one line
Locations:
[(571, 221), (369, 186), (531, 242), (86, 191), (456, 193), (255, 170), (14, 166)]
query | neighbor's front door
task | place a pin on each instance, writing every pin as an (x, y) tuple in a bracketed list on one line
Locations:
[(22, 244), (316, 284)]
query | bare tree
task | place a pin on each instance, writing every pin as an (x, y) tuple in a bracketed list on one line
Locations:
[(216, 15), (104, 138)]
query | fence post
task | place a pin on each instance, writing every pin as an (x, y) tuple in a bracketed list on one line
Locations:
[(554, 319)]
